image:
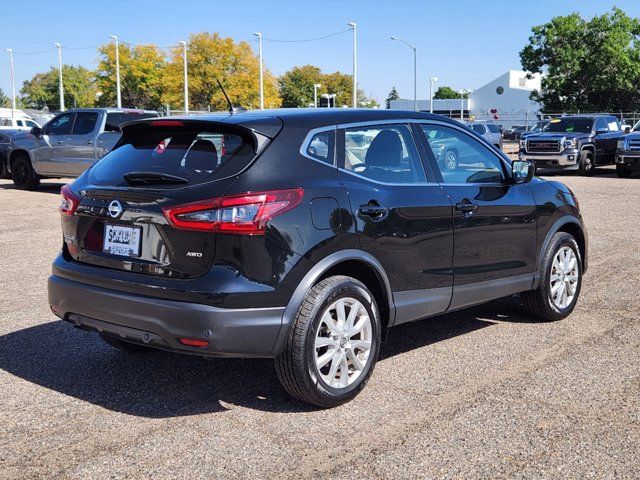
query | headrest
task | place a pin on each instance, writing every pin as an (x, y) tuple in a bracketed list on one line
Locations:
[(385, 150), (202, 156)]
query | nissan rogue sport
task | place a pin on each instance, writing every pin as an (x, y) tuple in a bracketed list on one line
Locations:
[(236, 235)]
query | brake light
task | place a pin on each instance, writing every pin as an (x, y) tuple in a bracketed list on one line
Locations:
[(69, 202), (194, 342), (245, 214), (167, 123)]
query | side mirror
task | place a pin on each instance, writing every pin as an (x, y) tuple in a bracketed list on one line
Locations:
[(626, 129), (522, 171), (36, 132)]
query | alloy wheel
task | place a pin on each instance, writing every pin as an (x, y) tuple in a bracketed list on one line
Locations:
[(342, 346), (564, 278)]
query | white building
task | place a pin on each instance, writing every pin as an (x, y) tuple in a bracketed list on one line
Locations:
[(508, 95)]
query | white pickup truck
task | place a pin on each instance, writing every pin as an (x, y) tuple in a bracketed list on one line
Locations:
[(67, 145)]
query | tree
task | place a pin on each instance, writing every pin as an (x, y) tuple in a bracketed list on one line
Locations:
[(43, 90), (296, 86), (589, 65), (141, 76), (447, 92), (4, 100), (210, 56), (393, 95)]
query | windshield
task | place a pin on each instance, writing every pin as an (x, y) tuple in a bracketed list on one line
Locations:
[(493, 128), (636, 127), (570, 125), (194, 157)]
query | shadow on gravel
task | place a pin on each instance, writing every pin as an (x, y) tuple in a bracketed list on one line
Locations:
[(159, 384), (43, 188)]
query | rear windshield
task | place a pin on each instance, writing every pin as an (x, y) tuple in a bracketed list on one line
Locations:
[(580, 125), (493, 128), (193, 156)]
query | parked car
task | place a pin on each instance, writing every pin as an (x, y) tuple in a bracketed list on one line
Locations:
[(573, 142), (283, 251), (488, 130), (5, 138), (16, 120), (68, 144), (628, 153), (513, 133)]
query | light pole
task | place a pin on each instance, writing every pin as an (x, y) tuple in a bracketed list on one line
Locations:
[(259, 35), (13, 83), (60, 85), (119, 98), (432, 80), (186, 80), (462, 92), (415, 77), (316, 86), (354, 26)]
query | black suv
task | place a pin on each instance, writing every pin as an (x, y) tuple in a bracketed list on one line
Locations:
[(238, 235), (573, 142)]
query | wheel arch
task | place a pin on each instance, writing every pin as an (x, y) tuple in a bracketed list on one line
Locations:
[(353, 263), (15, 154), (571, 225)]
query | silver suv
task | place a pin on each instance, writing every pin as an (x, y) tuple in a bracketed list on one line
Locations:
[(490, 131)]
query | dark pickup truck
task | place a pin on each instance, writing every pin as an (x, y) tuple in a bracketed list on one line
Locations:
[(628, 153), (574, 142)]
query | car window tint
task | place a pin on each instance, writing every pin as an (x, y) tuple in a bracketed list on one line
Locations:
[(493, 128), (478, 128), (85, 123), (61, 125), (29, 123), (612, 123), (383, 153), (461, 158), (321, 147), (20, 123), (601, 124)]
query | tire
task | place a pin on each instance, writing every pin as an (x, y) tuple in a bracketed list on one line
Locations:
[(125, 346), (540, 302), (450, 160), (297, 367), (23, 175), (3, 170), (587, 164), (622, 171)]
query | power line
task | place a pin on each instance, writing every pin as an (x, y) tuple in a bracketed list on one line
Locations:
[(35, 53), (307, 39)]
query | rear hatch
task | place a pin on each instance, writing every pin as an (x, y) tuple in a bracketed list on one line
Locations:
[(134, 209)]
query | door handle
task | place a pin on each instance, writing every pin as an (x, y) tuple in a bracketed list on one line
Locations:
[(60, 142), (467, 207), (89, 142), (373, 210)]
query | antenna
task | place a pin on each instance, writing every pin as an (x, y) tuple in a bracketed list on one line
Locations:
[(232, 109)]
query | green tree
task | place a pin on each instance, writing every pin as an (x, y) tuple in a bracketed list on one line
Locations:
[(296, 86), (141, 76), (210, 56), (393, 95), (588, 64), (447, 92), (4, 100), (43, 89)]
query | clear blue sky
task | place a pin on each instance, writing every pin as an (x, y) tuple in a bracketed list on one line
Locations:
[(464, 43)]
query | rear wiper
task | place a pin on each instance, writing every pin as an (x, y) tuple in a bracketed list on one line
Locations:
[(152, 178)]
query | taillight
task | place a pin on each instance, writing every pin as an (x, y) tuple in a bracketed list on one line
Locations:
[(69, 202), (245, 214)]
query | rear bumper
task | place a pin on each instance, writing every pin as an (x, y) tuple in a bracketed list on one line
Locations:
[(161, 323)]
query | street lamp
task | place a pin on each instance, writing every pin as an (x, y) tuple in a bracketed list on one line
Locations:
[(60, 86), (119, 98), (186, 80), (432, 80), (462, 93), (316, 86), (415, 78), (353, 26), (13, 83), (259, 35)]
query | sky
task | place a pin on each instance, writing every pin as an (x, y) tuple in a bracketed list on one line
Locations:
[(464, 43)]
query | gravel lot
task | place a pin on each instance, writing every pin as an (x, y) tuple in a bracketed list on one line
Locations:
[(484, 393)]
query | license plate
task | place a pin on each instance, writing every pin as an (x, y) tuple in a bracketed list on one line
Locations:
[(122, 241)]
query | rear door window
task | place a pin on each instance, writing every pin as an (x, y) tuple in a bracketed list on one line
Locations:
[(85, 123), (321, 147), (192, 156)]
